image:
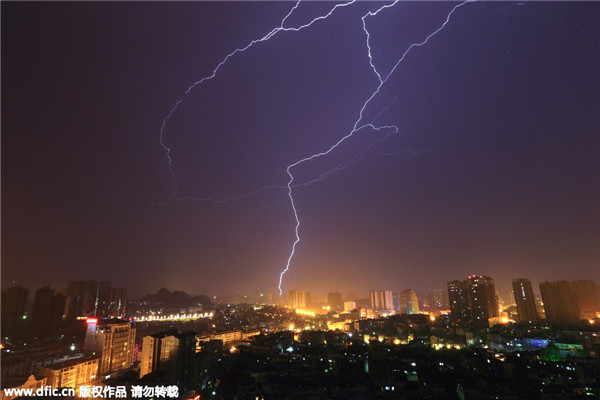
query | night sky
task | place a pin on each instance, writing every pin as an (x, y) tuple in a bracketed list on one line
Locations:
[(495, 169)]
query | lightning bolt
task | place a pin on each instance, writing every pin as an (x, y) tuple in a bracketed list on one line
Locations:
[(324, 175), (356, 127), (389, 129), (273, 32)]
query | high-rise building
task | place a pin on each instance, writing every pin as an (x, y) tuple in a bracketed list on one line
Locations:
[(539, 305), (349, 306), (208, 354), (560, 302), (303, 299), (88, 298), (118, 302), (173, 353), (42, 304), (524, 299), (482, 298), (409, 303), (112, 340), (474, 299), (382, 300), (57, 310), (436, 299), (334, 300), (151, 345), (440, 299), (48, 309), (178, 358), (459, 300), (298, 298), (14, 300), (506, 297), (291, 298), (396, 301), (587, 294)]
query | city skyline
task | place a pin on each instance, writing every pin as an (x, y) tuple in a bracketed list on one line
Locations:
[(99, 299), (494, 171), (163, 346)]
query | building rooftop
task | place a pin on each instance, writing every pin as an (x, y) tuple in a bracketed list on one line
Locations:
[(70, 363), (160, 335), (185, 334)]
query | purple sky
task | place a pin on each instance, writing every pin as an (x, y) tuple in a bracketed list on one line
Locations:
[(495, 169)]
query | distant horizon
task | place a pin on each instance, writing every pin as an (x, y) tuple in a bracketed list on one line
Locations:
[(320, 295)]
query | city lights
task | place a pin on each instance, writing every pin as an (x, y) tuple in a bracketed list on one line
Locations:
[(173, 317), (305, 312)]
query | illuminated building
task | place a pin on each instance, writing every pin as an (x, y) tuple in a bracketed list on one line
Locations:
[(71, 374), (151, 352), (473, 299), (560, 302), (459, 300), (349, 306), (88, 298), (525, 300), (173, 353), (112, 340), (482, 297), (382, 300), (302, 299), (334, 300), (13, 307), (229, 337), (409, 304), (298, 298)]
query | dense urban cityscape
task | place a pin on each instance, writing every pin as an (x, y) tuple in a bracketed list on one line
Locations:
[(463, 342)]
